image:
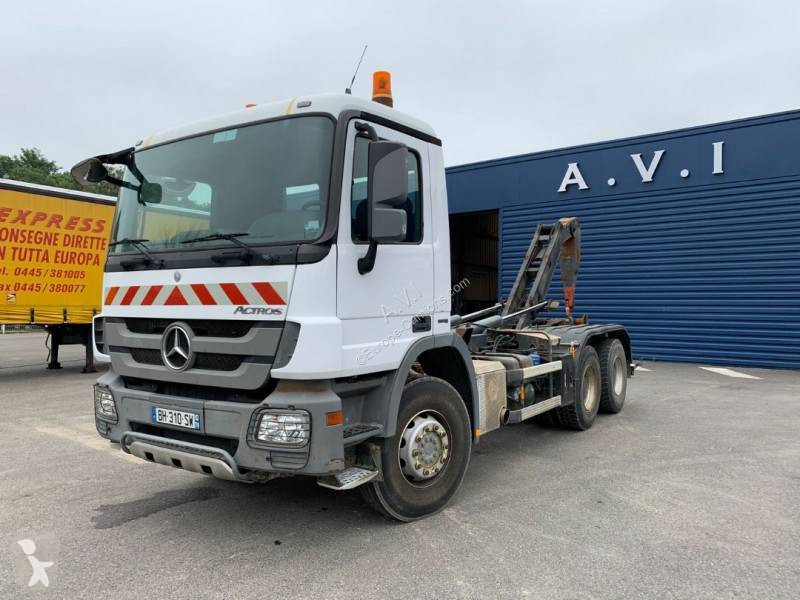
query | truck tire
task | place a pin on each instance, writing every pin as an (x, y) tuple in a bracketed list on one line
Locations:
[(547, 419), (433, 428), (580, 415), (613, 367)]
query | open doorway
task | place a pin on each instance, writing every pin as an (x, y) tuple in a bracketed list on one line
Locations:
[(474, 258)]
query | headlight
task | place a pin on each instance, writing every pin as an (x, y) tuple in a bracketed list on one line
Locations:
[(287, 428), (104, 406)]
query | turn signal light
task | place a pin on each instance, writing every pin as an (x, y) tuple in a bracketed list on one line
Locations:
[(250, 105), (382, 88), (334, 418)]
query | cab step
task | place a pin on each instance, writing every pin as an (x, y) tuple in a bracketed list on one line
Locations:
[(348, 479), (358, 432), (518, 416)]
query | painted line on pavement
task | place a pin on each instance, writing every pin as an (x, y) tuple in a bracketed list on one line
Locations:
[(729, 372), (89, 440)]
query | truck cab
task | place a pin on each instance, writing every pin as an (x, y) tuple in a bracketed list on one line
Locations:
[(277, 302)]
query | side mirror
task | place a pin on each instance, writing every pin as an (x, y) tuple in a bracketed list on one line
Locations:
[(150, 193), (89, 171), (387, 190)]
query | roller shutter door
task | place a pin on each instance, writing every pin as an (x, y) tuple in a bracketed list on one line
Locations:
[(707, 275)]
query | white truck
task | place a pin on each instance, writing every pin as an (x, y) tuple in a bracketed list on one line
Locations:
[(291, 314)]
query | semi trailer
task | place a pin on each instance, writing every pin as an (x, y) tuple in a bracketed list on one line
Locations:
[(52, 253), (293, 314)]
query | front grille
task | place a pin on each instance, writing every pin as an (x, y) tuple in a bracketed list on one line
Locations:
[(201, 327), (200, 392), (220, 359), (227, 444), (146, 357), (211, 362), (218, 362)]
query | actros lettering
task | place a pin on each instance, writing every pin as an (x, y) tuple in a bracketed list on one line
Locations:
[(257, 310)]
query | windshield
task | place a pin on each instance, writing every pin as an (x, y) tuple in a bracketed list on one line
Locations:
[(268, 183)]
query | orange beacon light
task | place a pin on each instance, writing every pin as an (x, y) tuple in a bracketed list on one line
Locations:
[(382, 88)]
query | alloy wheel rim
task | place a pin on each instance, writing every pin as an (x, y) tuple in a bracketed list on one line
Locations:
[(424, 450)]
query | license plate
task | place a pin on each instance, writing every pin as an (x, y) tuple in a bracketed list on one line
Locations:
[(177, 418)]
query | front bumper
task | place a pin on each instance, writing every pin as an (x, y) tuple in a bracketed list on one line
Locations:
[(224, 444), (184, 455)]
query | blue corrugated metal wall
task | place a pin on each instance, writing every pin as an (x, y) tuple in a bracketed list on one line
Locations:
[(700, 269)]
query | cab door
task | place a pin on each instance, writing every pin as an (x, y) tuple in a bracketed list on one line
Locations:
[(378, 309)]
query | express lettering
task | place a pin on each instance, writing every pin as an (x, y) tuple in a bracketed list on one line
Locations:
[(51, 220)]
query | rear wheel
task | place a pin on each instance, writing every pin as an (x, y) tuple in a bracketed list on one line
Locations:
[(614, 371), (424, 462), (581, 414), (548, 419)]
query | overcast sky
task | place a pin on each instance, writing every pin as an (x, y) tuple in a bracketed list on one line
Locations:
[(494, 78)]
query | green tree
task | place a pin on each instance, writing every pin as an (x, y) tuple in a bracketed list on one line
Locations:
[(31, 166)]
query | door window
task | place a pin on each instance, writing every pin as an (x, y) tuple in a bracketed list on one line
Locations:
[(358, 195)]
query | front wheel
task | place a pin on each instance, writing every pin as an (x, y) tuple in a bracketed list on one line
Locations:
[(424, 462)]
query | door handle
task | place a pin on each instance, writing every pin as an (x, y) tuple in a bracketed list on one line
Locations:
[(421, 323)]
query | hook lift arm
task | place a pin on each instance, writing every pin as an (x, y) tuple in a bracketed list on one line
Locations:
[(560, 242)]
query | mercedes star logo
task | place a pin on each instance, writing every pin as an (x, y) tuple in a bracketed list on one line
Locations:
[(176, 347)]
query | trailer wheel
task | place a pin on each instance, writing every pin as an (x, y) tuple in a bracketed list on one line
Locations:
[(424, 462), (613, 367), (580, 415)]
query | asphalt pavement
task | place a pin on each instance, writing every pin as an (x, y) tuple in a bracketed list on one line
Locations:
[(693, 491)]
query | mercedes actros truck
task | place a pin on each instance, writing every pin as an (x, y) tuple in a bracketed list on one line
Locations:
[(277, 302)]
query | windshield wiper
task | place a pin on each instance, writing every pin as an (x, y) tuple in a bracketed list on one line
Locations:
[(246, 254), (230, 237), (138, 244)]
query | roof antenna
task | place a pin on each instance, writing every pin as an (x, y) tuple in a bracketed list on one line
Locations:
[(347, 90)]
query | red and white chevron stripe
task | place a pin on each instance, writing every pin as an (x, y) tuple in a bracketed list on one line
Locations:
[(208, 294)]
